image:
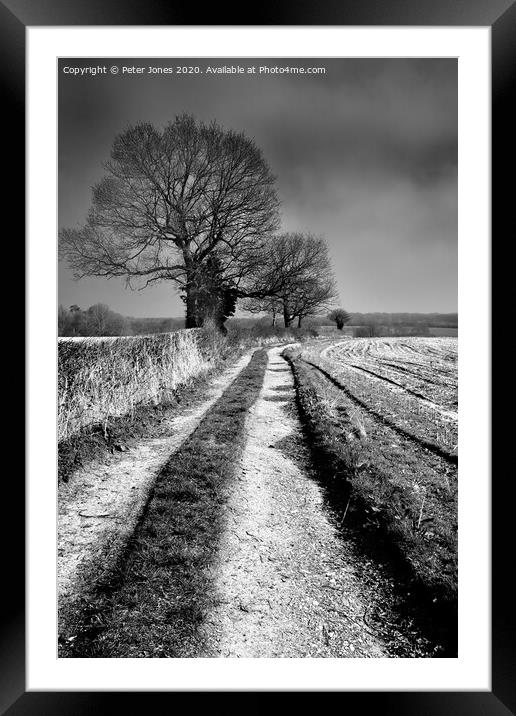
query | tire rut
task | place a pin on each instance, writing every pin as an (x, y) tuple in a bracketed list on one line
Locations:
[(99, 508), (285, 582)]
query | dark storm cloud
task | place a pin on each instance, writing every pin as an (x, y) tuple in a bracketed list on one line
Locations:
[(373, 122), (365, 155)]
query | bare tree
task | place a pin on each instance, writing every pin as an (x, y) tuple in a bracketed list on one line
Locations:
[(340, 316), (294, 277), (313, 297), (62, 320), (75, 325), (171, 199), (98, 319)]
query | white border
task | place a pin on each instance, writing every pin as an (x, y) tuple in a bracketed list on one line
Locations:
[(471, 671)]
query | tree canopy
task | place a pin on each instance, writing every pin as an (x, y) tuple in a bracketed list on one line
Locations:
[(295, 278), (340, 316), (179, 204)]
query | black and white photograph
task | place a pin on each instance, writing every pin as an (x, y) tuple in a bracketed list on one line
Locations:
[(257, 358)]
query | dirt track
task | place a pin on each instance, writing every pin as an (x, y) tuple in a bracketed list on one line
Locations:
[(285, 580), (286, 583)]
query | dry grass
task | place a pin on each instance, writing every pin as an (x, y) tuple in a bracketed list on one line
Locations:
[(103, 378)]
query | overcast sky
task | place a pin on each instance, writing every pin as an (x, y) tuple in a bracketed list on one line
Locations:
[(365, 155)]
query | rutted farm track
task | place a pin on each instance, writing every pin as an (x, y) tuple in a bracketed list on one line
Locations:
[(255, 562), (287, 585)]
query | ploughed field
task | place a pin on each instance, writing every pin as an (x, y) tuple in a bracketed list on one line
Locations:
[(382, 412), (411, 382)]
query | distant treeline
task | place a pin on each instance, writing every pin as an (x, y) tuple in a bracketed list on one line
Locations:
[(430, 320), (144, 326), (436, 320), (100, 320), (369, 325)]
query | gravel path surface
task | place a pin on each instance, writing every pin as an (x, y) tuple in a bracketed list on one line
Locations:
[(286, 582)]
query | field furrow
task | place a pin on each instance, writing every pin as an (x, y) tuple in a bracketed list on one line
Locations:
[(412, 382), (381, 415), (438, 435)]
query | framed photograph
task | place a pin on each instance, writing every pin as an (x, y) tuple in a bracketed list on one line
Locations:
[(260, 457)]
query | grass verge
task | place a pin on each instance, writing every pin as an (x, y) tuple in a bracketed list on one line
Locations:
[(152, 603), (97, 441)]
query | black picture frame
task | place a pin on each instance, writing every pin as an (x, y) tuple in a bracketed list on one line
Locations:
[(500, 15)]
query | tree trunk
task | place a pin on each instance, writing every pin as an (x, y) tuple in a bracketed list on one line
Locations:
[(208, 299), (299, 319), (286, 315), (192, 318)]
